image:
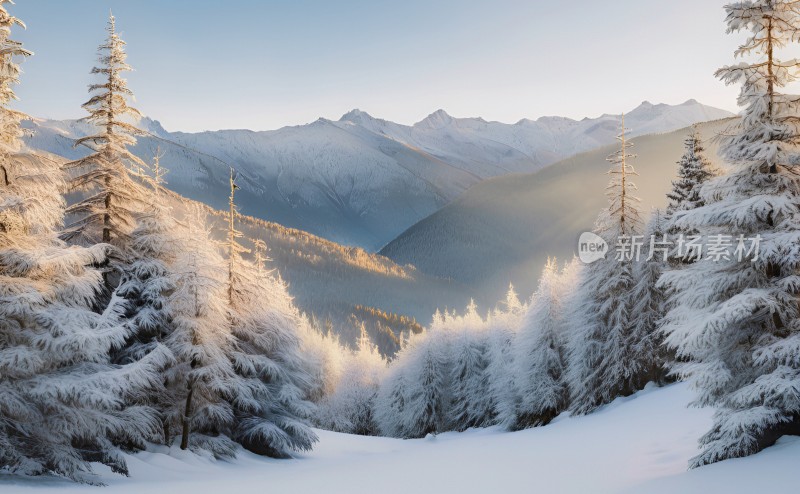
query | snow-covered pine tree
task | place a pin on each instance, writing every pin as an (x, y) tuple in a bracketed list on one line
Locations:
[(600, 352), (648, 357), (503, 327), (350, 408), (110, 197), (324, 360), (273, 384), (471, 403), (200, 380), (147, 282), (415, 398), (391, 400), (62, 404), (10, 131), (22, 212), (540, 354), (735, 324), (694, 170)]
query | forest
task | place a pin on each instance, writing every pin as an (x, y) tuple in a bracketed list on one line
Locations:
[(124, 323)]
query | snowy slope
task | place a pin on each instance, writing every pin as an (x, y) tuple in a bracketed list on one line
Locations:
[(635, 445), (503, 229), (362, 180)]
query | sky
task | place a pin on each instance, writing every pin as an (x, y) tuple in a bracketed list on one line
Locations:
[(263, 64)]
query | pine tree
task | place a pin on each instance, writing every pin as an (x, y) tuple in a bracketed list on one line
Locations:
[(648, 357), (111, 198), (540, 360), (9, 76), (22, 211), (62, 404), (694, 170), (471, 403), (503, 328), (148, 281), (734, 325), (415, 398), (390, 403), (271, 402), (600, 353), (200, 381), (351, 407)]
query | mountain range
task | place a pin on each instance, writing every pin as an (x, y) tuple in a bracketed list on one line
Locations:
[(360, 180)]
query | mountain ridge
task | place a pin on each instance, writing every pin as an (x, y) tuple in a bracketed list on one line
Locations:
[(362, 180)]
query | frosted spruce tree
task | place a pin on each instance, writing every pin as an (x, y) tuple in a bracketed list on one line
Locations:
[(503, 328), (415, 398), (147, 282), (31, 206), (694, 170), (471, 402), (734, 325), (10, 131), (110, 198), (540, 362), (200, 382), (390, 402), (600, 353), (648, 358), (350, 408), (62, 404), (272, 409)]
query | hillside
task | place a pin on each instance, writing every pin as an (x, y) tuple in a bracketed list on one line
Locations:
[(332, 283), (503, 229), (361, 180)]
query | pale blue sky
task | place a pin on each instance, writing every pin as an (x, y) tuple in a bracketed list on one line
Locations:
[(203, 64)]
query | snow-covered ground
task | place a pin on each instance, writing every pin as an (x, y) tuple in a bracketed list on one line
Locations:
[(635, 445)]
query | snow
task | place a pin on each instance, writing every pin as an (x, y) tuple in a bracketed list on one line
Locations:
[(639, 444)]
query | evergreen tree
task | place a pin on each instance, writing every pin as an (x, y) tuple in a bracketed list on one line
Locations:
[(110, 197), (600, 352), (148, 281), (351, 407), (418, 390), (694, 170), (471, 403), (540, 360), (21, 210), (272, 417), (503, 327), (62, 404), (201, 380), (734, 325), (648, 357), (391, 400), (10, 131)]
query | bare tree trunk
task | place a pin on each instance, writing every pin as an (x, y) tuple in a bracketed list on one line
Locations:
[(167, 438), (187, 418)]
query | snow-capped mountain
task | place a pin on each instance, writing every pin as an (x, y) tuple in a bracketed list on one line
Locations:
[(362, 180)]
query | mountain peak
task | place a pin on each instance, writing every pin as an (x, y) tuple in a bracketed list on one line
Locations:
[(435, 120), (356, 116)]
